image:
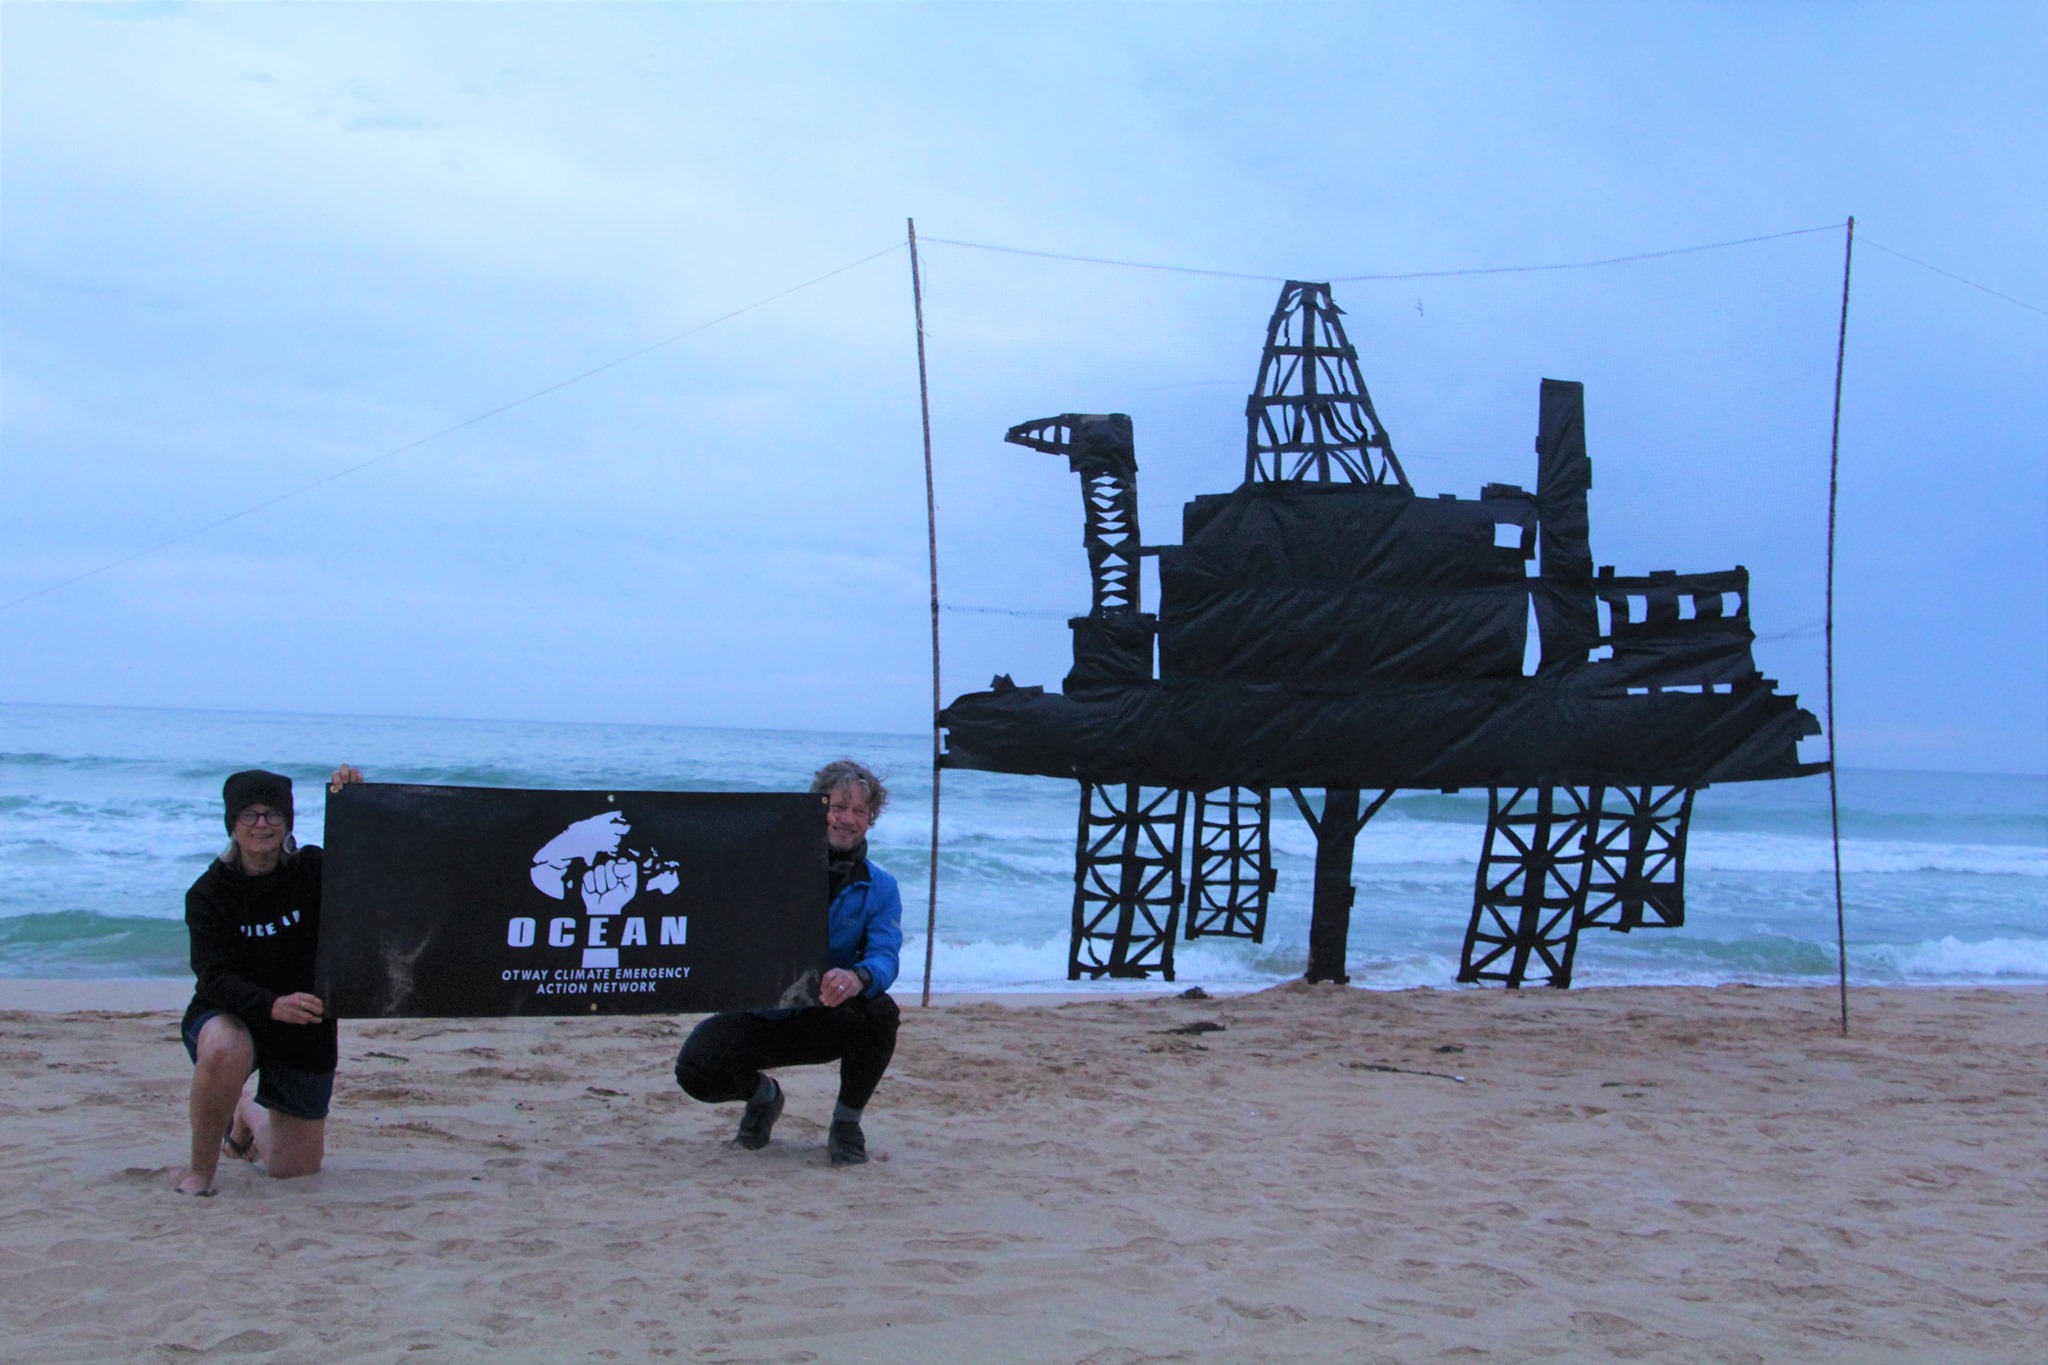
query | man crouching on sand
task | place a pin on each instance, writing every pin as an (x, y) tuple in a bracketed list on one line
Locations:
[(855, 1022)]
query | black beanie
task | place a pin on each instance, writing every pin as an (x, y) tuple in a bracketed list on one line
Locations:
[(256, 787)]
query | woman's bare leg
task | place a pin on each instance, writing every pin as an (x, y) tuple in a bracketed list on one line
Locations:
[(252, 1126), (226, 1057), (240, 1142), (285, 1146)]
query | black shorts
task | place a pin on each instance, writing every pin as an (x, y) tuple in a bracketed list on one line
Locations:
[(280, 1088)]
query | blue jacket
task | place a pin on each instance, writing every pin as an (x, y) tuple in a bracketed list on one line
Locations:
[(864, 928)]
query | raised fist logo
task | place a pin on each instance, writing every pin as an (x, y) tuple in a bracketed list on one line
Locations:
[(590, 858)]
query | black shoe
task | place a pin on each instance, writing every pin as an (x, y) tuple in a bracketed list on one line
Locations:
[(757, 1122), (845, 1143)]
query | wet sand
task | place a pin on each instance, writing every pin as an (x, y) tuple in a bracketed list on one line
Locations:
[(1642, 1173)]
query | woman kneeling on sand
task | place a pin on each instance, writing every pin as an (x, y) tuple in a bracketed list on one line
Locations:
[(254, 917)]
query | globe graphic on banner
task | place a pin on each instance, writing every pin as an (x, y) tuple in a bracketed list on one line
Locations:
[(591, 857)]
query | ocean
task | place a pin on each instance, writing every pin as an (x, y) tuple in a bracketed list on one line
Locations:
[(108, 814)]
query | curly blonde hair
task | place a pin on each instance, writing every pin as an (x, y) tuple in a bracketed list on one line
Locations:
[(844, 772)]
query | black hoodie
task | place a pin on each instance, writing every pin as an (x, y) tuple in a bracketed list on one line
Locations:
[(254, 939)]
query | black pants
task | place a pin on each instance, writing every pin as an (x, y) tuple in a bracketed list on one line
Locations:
[(723, 1057)]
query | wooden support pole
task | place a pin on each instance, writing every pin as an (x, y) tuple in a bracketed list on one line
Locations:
[(931, 522), (1834, 483)]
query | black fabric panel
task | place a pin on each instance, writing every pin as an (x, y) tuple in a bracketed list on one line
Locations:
[(1564, 476), (1111, 650), (1472, 734), (1683, 652), (1666, 647), (1341, 533), (1662, 592), (1102, 444), (1330, 585), (1321, 637), (1565, 619)]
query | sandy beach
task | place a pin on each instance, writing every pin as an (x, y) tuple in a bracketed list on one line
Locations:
[(1645, 1173)]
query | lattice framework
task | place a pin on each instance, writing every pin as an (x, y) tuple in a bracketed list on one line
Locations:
[(1109, 499), (1309, 415), (1127, 881), (1531, 886), (1636, 879), (1231, 868)]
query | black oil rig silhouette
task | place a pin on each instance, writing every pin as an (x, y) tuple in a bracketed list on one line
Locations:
[(1322, 626)]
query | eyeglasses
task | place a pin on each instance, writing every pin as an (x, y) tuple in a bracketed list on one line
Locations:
[(253, 817)]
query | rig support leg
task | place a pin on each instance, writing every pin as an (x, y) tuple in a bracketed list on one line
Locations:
[(1230, 875), (1531, 891), (1127, 881), (1329, 925), (1336, 831)]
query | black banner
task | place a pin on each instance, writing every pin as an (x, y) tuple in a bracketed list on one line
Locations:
[(483, 902)]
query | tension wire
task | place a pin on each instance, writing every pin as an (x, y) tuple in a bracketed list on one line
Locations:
[(1914, 260), (1588, 265), (1402, 275), (1045, 612)]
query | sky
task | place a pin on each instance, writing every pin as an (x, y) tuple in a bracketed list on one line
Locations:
[(245, 249)]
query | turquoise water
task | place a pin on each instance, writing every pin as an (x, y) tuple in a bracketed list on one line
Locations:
[(107, 815)]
